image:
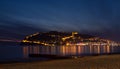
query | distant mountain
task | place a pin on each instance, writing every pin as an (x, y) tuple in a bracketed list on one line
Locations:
[(53, 38)]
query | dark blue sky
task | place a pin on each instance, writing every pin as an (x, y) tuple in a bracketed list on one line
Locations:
[(22, 17)]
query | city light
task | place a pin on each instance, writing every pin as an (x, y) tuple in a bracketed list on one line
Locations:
[(70, 40)]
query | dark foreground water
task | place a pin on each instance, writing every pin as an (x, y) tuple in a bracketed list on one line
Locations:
[(16, 52)]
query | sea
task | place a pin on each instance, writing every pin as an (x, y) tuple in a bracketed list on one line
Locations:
[(15, 52)]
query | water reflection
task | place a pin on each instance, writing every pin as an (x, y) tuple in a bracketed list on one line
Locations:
[(68, 50)]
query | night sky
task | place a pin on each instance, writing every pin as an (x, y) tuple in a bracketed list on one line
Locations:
[(23, 17)]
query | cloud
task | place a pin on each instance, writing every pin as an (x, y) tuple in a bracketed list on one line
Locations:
[(96, 16)]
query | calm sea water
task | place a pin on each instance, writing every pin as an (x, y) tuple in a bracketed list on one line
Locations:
[(14, 51)]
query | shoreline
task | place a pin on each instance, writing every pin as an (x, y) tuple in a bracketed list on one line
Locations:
[(87, 62), (50, 58)]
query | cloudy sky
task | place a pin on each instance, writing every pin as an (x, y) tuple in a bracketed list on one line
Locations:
[(23, 17)]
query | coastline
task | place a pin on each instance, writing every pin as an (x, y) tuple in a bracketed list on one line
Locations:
[(87, 62)]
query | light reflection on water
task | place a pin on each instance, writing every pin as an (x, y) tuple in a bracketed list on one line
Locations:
[(16, 51), (69, 50)]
